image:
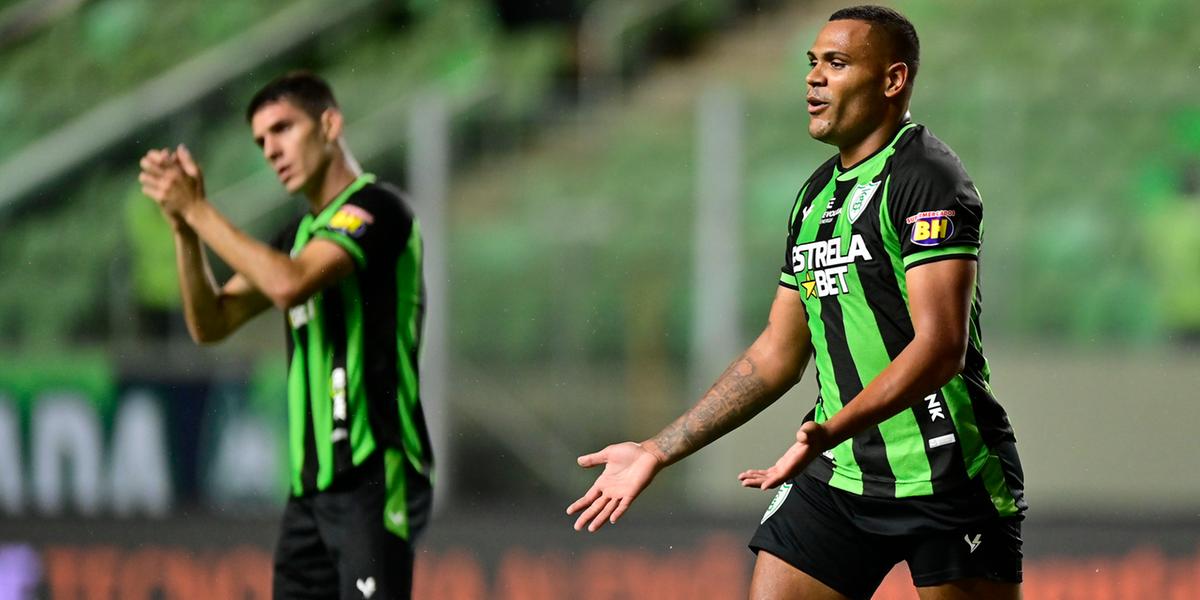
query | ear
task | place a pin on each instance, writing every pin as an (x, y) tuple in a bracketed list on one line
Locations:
[(331, 124), (896, 79)]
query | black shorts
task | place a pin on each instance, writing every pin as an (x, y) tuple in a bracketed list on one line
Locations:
[(334, 543), (813, 527)]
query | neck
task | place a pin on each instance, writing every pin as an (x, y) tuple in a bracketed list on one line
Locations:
[(854, 153), (339, 174)]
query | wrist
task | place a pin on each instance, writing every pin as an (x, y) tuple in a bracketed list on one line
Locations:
[(191, 212), (651, 447), (824, 436), (182, 229)]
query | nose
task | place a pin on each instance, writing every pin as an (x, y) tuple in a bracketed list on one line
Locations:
[(271, 150), (815, 77)]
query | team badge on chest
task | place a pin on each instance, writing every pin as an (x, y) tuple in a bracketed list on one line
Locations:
[(860, 197)]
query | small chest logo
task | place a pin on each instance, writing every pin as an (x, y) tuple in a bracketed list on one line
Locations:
[(804, 213), (860, 198), (931, 228)]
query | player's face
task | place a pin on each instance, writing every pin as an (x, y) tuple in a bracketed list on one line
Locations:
[(294, 144), (846, 101)]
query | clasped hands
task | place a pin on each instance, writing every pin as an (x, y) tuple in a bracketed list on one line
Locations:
[(173, 180)]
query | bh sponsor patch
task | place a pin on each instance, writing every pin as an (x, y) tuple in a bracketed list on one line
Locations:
[(351, 220), (932, 227)]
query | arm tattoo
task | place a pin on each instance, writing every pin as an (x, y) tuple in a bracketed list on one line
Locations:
[(738, 394)]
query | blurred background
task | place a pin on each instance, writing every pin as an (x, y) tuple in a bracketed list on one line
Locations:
[(605, 185)]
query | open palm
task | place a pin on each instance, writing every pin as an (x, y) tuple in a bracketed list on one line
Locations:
[(628, 469), (810, 441)]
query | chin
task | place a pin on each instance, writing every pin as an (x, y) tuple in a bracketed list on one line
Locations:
[(821, 131), (294, 185)]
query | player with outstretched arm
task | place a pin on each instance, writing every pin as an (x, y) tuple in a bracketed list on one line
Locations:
[(906, 456)]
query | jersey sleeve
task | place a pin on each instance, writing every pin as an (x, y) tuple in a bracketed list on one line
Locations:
[(283, 239), (937, 214), (787, 275), (369, 226)]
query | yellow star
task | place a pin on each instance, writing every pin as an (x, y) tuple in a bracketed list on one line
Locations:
[(810, 287)]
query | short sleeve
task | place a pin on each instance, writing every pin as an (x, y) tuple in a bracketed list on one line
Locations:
[(787, 275), (937, 214), (283, 240), (371, 225)]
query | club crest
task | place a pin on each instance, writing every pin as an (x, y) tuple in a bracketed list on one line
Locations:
[(860, 198)]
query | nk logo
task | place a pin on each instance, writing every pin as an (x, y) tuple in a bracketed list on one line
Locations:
[(931, 228)]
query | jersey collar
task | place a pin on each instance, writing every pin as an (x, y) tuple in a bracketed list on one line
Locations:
[(312, 223), (875, 157)]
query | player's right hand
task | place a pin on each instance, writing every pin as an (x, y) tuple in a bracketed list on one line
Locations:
[(153, 165), (628, 469)]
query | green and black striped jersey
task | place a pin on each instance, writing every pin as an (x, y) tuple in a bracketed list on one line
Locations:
[(853, 234), (352, 349)]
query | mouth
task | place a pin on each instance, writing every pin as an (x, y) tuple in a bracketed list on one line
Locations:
[(282, 173), (816, 105)]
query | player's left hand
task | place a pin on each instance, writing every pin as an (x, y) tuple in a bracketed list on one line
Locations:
[(811, 440), (173, 180)]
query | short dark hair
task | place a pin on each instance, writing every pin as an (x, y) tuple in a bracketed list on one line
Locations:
[(899, 29), (303, 88)]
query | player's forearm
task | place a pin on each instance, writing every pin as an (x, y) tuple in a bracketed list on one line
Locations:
[(749, 385), (272, 272), (201, 299), (921, 369)]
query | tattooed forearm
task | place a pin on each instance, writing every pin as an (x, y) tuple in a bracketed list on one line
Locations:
[(739, 394)]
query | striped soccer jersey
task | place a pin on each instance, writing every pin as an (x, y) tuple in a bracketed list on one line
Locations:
[(853, 234), (352, 350)]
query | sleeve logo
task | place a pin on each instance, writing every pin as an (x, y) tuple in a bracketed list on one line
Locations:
[(931, 228), (351, 220)]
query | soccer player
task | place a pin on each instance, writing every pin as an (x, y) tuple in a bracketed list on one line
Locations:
[(347, 276), (906, 455)]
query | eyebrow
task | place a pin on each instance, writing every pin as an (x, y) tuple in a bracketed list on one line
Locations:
[(829, 55), (273, 127)]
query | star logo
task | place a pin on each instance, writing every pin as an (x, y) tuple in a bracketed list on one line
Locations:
[(810, 286)]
